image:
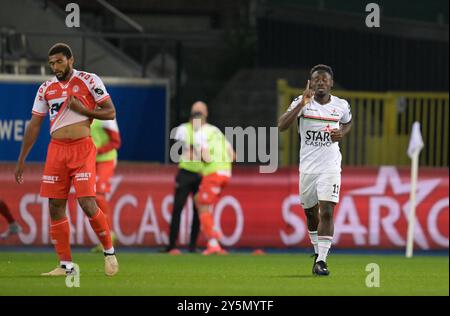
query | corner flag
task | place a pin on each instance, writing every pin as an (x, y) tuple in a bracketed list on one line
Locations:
[(414, 148), (416, 141)]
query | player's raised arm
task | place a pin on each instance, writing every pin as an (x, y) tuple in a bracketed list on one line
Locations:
[(103, 111), (31, 133), (287, 118)]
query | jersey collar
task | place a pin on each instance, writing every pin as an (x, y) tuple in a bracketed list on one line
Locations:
[(65, 84)]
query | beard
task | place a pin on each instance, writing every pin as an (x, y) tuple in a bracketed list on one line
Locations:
[(63, 76)]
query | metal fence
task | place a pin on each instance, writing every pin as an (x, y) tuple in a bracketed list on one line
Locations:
[(381, 126)]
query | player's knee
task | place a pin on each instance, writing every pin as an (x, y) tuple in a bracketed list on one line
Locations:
[(202, 207), (311, 212), (88, 205), (326, 213), (57, 208)]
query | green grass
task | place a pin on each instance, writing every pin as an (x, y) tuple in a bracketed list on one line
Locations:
[(236, 274)]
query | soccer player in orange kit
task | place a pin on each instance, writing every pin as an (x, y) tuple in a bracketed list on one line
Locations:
[(73, 99)]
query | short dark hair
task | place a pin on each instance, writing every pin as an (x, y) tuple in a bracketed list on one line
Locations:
[(322, 67), (60, 48)]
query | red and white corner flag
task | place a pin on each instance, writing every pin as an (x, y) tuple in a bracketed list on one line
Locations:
[(414, 148)]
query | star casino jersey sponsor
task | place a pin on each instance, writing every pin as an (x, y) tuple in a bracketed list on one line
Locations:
[(318, 138)]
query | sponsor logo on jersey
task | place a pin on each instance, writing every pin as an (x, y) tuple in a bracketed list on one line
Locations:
[(54, 108), (99, 91), (334, 113), (327, 128), (318, 138)]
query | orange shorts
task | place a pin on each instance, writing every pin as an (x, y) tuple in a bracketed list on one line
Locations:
[(211, 187), (69, 162), (105, 170)]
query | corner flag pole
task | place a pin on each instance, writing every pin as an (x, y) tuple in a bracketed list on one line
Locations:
[(414, 148), (412, 204)]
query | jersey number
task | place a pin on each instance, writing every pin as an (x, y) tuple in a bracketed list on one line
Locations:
[(335, 189)]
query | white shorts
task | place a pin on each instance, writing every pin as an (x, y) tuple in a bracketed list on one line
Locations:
[(319, 187)]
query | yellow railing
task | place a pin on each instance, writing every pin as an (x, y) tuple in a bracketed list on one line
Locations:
[(381, 127)]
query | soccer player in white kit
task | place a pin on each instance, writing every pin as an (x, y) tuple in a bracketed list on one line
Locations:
[(323, 120)]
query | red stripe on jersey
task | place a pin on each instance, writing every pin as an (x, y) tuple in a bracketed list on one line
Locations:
[(59, 114), (321, 118)]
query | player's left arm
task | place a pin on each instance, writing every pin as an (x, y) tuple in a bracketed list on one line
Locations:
[(339, 133), (104, 109), (345, 125)]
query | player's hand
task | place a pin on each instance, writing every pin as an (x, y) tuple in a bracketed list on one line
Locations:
[(307, 94), (336, 134), (18, 172), (75, 105)]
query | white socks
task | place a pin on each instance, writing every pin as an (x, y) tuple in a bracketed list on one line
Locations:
[(67, 264), (213, 242), (109, 251), (324, 245), (314, 240)]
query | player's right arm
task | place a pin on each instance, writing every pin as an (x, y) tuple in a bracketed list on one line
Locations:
[(31, 134), (290, 116), (40, 108)]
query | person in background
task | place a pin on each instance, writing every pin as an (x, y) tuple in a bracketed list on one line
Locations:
[(188, 177), (106, 137)]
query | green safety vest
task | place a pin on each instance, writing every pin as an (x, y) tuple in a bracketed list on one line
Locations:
[(100, 138), (195, 166), (217, 144)]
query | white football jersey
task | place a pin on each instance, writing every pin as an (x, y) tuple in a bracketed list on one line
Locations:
[(318, 154)]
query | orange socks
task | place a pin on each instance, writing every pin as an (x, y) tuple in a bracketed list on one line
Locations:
[(207, 224), (100, 226), (104, 207), (60, 234)]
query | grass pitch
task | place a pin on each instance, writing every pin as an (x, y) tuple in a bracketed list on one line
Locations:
[(232, 275)]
